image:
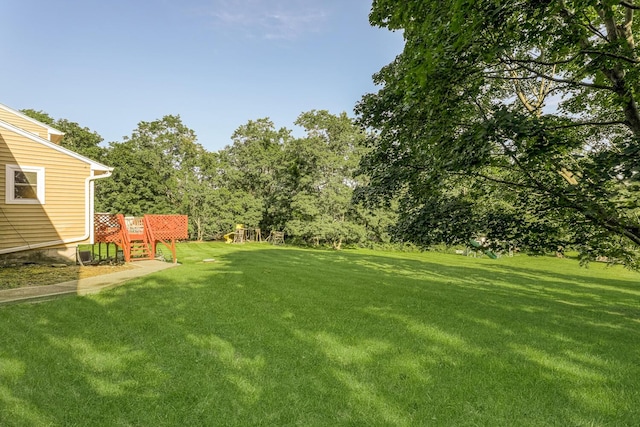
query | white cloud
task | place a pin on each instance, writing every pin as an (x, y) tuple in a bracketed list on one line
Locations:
[(270, 19)]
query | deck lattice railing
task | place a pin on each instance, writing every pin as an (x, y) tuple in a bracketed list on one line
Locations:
[(166, 229)]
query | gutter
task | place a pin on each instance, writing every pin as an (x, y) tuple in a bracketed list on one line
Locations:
[(88, 223)]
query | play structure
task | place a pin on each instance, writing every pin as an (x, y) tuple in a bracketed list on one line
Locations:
[(276, 237), (138, 237), (242, 235), (479, 246)]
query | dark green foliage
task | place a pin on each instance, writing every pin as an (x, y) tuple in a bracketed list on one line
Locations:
[(251, 170), (322, 179), (152, 169), (301, 185), (464, 105)]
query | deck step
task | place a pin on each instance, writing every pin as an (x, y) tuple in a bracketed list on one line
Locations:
[(140, 250)]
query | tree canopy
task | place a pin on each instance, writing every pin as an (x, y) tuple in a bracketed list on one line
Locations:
[(518, 120), (264, 179), (322, 178), (152, 168)]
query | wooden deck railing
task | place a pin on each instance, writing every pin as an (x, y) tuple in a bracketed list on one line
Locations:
[(165, 229)]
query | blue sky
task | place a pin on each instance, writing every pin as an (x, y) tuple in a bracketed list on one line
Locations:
[(217, 63)]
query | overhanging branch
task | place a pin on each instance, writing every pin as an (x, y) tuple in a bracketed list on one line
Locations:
[(629, 5), (567, 81), (579, 124)]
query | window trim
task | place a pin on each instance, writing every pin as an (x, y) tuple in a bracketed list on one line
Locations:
[(10, 185)]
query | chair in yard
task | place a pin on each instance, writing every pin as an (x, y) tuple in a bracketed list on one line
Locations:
[(276, 238)]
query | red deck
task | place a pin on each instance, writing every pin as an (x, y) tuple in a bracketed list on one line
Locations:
[(138, 237)]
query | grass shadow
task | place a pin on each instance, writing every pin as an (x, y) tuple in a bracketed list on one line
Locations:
[(279, 336)]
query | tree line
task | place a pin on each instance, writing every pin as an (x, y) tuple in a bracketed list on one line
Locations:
[(265, 178)]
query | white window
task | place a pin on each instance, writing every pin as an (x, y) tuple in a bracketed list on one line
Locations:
[(24, 185)]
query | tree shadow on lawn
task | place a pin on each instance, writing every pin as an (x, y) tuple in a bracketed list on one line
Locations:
[(288, 336)]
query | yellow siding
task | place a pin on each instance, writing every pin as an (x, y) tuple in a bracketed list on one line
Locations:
[(22, 123), (63, 214)]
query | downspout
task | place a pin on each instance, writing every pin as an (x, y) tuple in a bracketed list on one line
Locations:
[(88, 223)]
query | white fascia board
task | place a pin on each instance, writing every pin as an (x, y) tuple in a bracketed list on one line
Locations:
[(95, 166), (50, 129)]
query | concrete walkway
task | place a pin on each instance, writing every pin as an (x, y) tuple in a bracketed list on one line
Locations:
[(89, 285)]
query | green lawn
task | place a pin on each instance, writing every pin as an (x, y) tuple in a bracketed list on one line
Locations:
[(283, 336)]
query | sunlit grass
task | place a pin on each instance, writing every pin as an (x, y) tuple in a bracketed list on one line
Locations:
[(283, 336)]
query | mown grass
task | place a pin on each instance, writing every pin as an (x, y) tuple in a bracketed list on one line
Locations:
[(283, 336)]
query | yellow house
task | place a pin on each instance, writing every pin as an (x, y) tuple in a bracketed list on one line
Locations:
[(46, 191)]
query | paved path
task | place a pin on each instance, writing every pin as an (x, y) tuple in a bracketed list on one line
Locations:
[(89, 285)]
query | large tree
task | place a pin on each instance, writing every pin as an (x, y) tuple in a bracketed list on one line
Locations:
[(154, 169), (251, 167), (321, 178), (518, 119)]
